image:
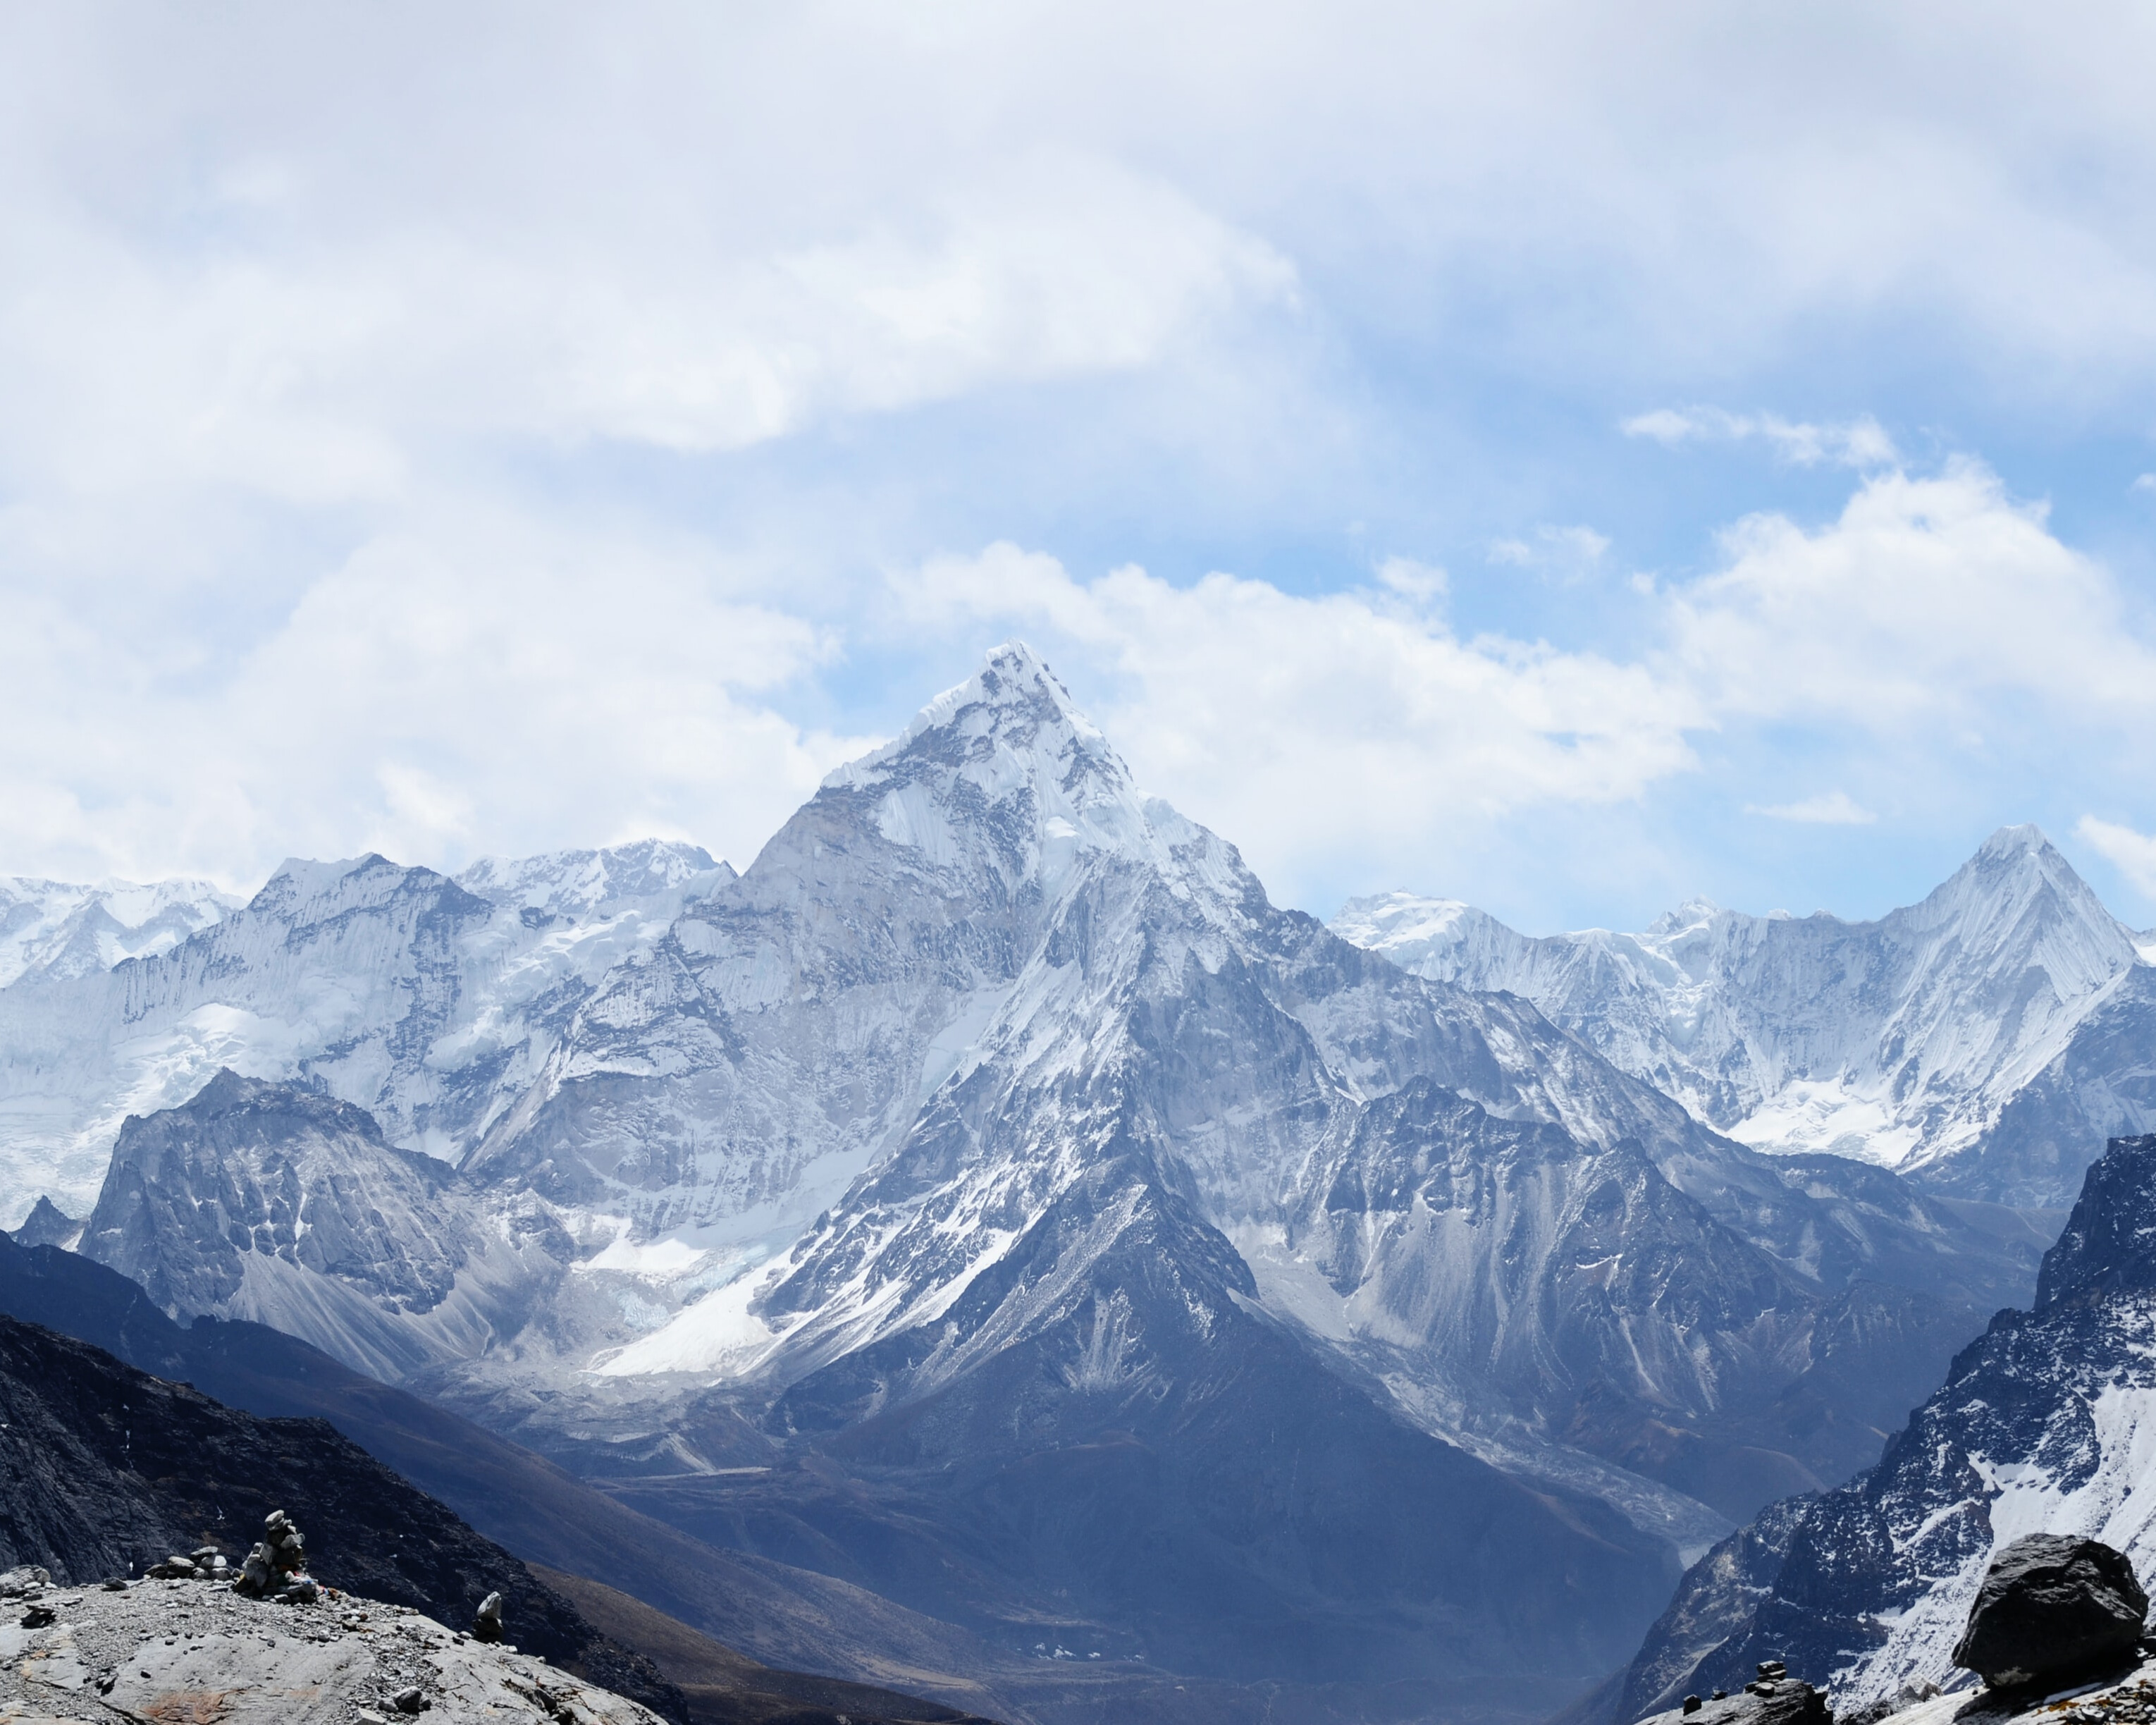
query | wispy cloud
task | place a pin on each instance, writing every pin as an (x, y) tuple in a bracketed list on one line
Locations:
[(2133, 853), (1859, 443), (1569, 552), (1830, 809)]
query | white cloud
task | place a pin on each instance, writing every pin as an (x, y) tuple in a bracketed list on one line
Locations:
[(1859, 443), (2133, 853), (1314, 731), (1329, 732), (1425, 583), (469, 684), (1927, 599), (1830, 809)]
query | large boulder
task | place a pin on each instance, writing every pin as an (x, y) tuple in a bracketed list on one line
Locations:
[(2051, 1605)]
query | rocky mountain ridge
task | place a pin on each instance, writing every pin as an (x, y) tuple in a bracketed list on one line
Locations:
[(1972, 1040)]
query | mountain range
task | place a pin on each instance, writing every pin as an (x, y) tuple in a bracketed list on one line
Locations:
[(1985, 1042), (990, 1200)]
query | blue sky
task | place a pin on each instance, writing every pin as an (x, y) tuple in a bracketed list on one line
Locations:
[(1561, 459)]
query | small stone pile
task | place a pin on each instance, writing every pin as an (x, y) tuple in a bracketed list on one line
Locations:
[(277, 1567), (1772, 1698), (205, 1563), (26, 1581)]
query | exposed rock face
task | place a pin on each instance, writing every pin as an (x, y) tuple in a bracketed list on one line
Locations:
[(1988, 1038), (2043, 1426), (2052, 1606), (1713, 1603), (269, 1202), (48, 1225), (2108, 1245)]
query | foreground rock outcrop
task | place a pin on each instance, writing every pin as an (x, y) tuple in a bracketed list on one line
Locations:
[(108, 1472), (2052, 1607), (1772, 1698), (189, 1650)]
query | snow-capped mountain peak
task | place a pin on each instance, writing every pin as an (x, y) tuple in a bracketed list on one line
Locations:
[(51, 928), (595, 883), (1004, 771)]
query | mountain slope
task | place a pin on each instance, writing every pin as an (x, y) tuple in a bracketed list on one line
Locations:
[(791, 1617), (2043, 1425), (1907, 1041), (266, 1202)]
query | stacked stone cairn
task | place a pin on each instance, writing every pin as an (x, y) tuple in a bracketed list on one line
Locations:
[(1773, 1698), (277, 1567), (486, 1621)]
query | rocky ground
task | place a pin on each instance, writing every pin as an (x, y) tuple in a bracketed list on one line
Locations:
[(180, 1652), (2124, 1697)]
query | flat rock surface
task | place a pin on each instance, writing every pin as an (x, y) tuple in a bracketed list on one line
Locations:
[(195, 1653)]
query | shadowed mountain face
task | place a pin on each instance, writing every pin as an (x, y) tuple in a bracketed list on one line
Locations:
[(2043, 1425), (1986, 1040), (1078, 1248), (267, 1202)]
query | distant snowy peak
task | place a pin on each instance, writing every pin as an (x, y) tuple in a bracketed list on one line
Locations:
[(579, 884), (53, 929), (1407, 928), (1901, 1040)]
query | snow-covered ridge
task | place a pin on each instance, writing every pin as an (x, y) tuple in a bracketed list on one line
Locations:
[(429, 1003), (1902, 1041), (54, 928)]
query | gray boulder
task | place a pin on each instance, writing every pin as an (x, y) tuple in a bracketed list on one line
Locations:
[(2052, 1606)]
